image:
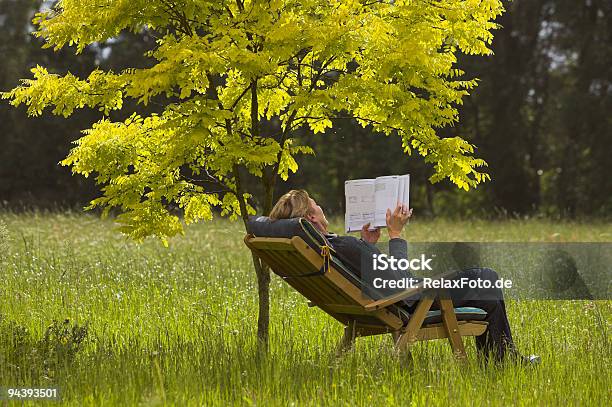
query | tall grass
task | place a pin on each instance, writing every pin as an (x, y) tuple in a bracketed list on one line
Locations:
[(111, 322)]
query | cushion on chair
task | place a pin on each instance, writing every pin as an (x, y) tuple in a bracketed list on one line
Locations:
[(263, 226), (463, 314)]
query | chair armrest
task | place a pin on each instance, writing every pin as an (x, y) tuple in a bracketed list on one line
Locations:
[(394, 298)]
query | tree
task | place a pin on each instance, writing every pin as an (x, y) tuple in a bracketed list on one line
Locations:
[(34, 144), (40, 143), (542, 112), (580, 119), (505, 114), (241, 77)]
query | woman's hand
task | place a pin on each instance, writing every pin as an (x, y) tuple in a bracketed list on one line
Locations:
[(370, 236), (397, 219)]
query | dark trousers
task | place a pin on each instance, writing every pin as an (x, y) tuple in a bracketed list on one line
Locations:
[(496, 341)]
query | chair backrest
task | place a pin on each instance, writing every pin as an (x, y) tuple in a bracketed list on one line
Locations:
[(335, 291)]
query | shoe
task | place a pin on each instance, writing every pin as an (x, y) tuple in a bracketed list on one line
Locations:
[(530, 360), (512, 356)]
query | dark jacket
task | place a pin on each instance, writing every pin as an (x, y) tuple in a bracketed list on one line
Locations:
[(352, 249), (357, 254)]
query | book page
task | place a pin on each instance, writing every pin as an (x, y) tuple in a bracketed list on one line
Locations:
[(405, 191), (360, 203), (386, 197)]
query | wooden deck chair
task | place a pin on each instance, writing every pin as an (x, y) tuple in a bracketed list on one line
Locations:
[(327, 283)]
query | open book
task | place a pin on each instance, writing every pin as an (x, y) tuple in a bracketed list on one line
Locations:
[(367, 200)]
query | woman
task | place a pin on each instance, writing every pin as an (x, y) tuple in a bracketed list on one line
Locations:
[(496, 340)]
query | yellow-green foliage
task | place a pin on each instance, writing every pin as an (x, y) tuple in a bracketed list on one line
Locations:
[(389, 64)]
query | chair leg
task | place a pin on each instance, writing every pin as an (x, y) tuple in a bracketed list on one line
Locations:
[(348, 339), (449, 319), (414, 325), (405, 356)]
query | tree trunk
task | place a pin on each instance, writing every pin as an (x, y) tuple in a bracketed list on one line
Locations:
[(263, 293), (261, 271)]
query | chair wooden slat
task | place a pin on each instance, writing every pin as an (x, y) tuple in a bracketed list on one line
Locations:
[(437, 331), (316, 284)]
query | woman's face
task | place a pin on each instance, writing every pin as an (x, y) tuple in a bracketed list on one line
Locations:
[(317, 217)]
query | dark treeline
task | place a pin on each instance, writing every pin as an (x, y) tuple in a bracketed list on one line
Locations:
[(541, 117)]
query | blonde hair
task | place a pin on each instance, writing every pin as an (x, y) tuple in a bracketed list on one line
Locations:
[(294, 204)]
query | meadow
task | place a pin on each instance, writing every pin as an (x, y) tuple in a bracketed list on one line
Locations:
[(112, 322)]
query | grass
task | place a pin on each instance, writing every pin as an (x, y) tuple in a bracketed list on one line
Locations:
[(141, 324)]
